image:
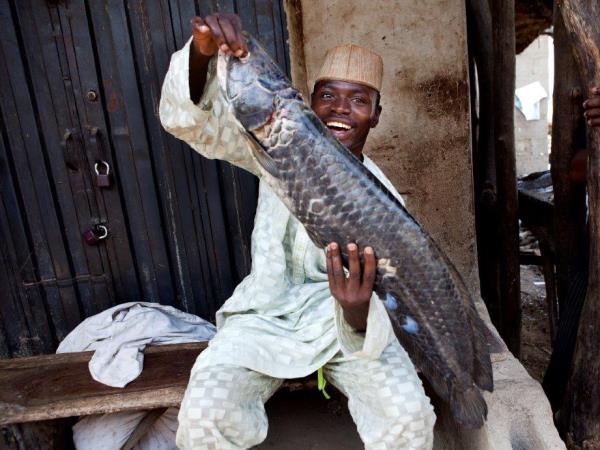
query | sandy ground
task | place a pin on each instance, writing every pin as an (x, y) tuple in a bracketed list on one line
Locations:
[(535, 330), (306, 420)]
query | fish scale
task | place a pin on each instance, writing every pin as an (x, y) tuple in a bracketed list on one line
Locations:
[(338, 200)]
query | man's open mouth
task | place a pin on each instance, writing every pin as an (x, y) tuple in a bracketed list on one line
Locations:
[(337, 126), (339, 129)]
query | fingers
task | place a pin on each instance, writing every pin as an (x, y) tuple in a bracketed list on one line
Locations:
[(592, 108), (226, 31), (335, 270), (203, 37), (233, 35), (369, 273), (213, 23), (358, 286), (353, 268)]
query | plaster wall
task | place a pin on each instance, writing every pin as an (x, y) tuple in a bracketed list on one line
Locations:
[(423, 140)]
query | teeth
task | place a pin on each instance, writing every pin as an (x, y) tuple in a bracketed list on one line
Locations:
[(338, 125)]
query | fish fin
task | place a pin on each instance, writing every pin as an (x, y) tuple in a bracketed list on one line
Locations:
[(261, 155), (469, 407), (414, 344), (482, 372), (482, 363)]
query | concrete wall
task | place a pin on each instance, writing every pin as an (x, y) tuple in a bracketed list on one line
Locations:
[(423, 140), (531, 136)]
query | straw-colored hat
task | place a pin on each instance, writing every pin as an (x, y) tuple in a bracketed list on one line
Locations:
[(353, 63)]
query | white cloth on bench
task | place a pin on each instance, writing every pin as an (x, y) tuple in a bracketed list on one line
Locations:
[(120, 334), (111, 431)]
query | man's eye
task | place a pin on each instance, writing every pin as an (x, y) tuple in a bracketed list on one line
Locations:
[(359, 100), (326, 96)]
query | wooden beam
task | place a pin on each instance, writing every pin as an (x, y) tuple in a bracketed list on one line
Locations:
[(55, 386), (503, 25), (582, 411)]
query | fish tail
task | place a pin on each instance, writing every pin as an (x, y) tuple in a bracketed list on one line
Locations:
[(469, 407)]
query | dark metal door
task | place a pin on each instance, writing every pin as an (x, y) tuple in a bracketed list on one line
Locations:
[(79, 87)]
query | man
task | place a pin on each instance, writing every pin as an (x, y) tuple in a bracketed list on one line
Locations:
[(297, 311)]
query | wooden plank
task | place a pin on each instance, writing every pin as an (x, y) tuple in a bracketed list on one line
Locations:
[(14, 333), (21, 117), (52, 386), (128, 137), (80, 53), (281, 36), (207, 202), (55, 386), (70, 178), (265, 24), (13, 235), (241, 195), (153, 44)]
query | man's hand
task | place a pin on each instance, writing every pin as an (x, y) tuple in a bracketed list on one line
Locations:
[(214, 32), (352, 293), (219, 32), (592, 108)]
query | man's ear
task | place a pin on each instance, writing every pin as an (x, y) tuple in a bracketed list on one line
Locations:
[(375, 116)]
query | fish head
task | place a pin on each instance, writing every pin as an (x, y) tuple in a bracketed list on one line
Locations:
[(251, 86)]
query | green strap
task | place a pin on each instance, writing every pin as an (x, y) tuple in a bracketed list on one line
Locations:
[(321, 383)]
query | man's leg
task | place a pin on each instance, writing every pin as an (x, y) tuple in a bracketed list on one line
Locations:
[(386, 399), (223, 408)]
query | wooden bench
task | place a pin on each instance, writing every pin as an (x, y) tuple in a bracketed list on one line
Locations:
[(57, 386)]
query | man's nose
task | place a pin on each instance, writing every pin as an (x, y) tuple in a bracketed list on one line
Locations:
[(342, 106)]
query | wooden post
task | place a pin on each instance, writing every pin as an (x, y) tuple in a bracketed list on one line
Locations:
[(569, 211), (503, 14), (582, 408), (479, 23), (569, 201)]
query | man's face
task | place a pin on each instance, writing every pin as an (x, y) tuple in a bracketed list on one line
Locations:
[(349, 110)]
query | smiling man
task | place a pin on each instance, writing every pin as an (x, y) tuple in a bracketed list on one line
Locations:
[(298, 310)]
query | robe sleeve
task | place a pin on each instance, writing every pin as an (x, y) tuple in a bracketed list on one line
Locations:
[(208, 126), (373, 341)]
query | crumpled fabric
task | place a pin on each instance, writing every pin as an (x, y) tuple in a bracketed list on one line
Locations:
[(119, 335), (111, 431)]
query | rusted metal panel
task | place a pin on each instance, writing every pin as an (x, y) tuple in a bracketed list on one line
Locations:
[(80, 83)]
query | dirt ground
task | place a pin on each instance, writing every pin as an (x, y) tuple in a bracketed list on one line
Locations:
[(535, 330), (306, 420)]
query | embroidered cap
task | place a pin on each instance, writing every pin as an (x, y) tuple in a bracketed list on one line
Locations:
[(352, 63)]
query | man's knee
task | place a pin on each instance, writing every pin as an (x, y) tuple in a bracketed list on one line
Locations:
[(218, 411)]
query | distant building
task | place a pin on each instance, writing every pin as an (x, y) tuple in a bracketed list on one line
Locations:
[(533, 80)]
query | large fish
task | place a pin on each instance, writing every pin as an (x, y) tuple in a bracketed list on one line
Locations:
[(338, 200)]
